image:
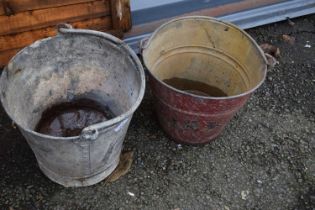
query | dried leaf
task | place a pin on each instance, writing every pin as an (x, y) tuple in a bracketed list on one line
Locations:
[(288, 39), (244, 194), (123, 167), (272, 61), (270, 49)]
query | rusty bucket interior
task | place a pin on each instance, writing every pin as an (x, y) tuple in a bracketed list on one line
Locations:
[(206, 50)]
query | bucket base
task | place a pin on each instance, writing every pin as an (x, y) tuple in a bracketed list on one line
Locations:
[(79, 182)]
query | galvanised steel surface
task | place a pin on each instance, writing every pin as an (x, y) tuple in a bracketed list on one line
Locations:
[(74, 64)]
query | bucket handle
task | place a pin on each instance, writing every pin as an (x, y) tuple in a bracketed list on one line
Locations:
[(65, 28), (91, 133)]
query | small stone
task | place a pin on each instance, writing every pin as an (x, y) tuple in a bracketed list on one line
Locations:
[(131, 194), (226, 208), (244, 194), (288, 39)]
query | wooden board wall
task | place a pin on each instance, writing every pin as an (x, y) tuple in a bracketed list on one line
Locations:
[(30, 20), (24, 21)]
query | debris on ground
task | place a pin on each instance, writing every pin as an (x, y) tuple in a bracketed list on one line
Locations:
[(124, 166), (226, 208), (13, 125), (131, 194), (288, 39), (270, 49), (271, 52), (244, 194), (290, 22), (272, 61), (307, 45)]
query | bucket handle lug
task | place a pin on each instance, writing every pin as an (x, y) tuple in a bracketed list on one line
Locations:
[(143, 44), (65, 28), (89, 134), (60, 26)]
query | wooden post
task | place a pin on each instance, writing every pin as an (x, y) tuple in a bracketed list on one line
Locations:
[(121, 15)]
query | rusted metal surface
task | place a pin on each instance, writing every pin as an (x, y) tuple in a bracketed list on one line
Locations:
[(74, 64), (189, 119), (209, 51)]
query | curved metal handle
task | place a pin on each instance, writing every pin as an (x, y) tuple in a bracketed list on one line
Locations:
[(65, 28), (91, 133)]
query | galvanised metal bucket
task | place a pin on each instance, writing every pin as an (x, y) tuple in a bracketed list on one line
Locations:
[(74, 64), (206, 50)]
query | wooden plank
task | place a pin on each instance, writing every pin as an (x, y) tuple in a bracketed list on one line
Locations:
[(36, 19), (5, 56), (26, 5), (25, 38), (121, 14)]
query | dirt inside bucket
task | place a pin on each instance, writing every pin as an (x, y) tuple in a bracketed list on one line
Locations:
[(195, 87), (70, 118)]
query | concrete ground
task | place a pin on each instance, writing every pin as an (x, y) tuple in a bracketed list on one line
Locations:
[(264, 159)]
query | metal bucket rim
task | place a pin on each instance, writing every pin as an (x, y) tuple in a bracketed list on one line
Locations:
[(111, 122), (213, 20)]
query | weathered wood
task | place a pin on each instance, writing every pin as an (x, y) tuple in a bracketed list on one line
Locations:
[(25, 38), (121, 14), (5, 56), (26, 5), (6, 7), (36, 19)]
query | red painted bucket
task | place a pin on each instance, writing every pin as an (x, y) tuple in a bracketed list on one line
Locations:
[(201, 49)]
